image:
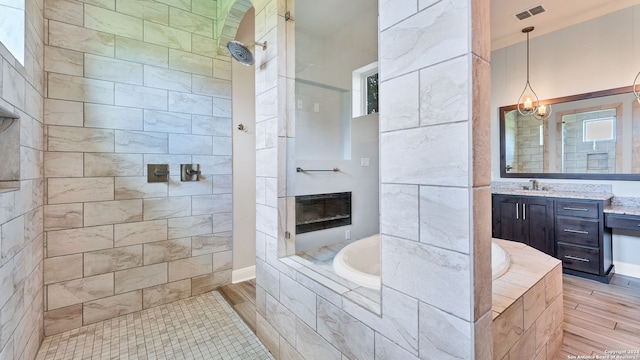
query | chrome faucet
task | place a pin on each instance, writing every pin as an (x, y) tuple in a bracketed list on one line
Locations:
[(534, 184)]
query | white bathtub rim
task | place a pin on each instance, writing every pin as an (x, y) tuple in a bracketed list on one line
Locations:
[(343, 269), (500, 261)]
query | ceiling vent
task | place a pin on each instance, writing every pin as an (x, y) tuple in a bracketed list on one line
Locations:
[(525, 14)]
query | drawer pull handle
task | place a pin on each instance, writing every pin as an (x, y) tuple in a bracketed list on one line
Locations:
[(576, 231), (577, 258), (574, 209)]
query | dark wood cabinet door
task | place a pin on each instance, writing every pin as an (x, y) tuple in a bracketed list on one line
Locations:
[(506, 218), (537, 215)]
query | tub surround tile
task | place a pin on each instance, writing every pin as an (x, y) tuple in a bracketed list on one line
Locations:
[(300, 300), (444, 92), (403, 93), (508, 327), (442, 335), (439, 208), (281, 318), (401, 204), (534, 303), (311, 345), (267, 334), (352, 337)]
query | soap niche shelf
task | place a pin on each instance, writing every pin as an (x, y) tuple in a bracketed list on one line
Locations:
[(10, 150)]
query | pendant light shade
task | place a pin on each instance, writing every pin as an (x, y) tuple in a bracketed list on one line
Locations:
[(528, 102)]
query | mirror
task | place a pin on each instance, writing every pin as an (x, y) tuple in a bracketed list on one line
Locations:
[(587, 136)]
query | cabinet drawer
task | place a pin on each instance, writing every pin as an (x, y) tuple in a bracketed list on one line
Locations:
[(577, 208), (630, 222), (577, 231), (579, 258)]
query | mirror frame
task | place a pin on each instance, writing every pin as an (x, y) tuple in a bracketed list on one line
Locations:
[(590, 95)]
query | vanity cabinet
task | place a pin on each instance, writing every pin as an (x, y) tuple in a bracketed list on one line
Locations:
[(583, 241), (524, 219)]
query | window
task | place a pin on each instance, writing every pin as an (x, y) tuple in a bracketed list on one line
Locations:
[(365, 90), (12, 27), (598, 129)]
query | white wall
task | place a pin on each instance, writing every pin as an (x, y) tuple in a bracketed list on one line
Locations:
[(595, 55), (244, 158)]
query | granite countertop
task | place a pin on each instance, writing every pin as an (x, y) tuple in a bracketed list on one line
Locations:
[(624, 205), (554, 193)]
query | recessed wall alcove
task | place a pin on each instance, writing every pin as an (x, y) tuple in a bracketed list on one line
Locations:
[(10, 150)]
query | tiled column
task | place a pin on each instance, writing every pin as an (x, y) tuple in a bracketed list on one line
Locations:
[(435, 161)]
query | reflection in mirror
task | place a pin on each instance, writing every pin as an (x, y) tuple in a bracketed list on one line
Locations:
[(593, 135)]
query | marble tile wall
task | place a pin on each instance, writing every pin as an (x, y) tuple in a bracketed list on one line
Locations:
[(436, 269), (131, 83), (21, 204)]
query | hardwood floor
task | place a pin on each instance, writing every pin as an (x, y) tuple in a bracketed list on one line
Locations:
[(242, 298), (600, 317), (597, 317)]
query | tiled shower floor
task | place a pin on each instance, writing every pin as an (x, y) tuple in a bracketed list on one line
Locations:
[(200, 327)]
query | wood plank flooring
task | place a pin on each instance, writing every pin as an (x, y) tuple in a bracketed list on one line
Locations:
[(597, 317), (242, 298)]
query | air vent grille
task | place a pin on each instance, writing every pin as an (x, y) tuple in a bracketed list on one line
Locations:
[(525, 14)]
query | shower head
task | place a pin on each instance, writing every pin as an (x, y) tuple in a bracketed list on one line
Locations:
[(241, 53)]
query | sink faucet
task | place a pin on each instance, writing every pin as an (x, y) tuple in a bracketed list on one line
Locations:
[(534, 184)]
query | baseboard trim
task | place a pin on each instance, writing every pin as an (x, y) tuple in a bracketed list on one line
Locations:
[(243, 274), (632, 270)]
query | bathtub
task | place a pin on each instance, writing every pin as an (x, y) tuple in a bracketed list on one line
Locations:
[(359, 262)]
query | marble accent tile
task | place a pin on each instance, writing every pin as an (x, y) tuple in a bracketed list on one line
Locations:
[(190, 144), (191, 22), (140, 277), (204, 8), (268, 278), (112, 117), (163, 251), (75, 241), (418, 146), (140, 142), (429, 37), (534, 303), (406, 263), (222, 68), (75, 88), (190, 267), (221, 107), (204, 186), (7, 207), (62, 268), (267, 220), (281, 318), (61, 112), (110, 69), (402, 96), (63, 164), (162, 294), (138, 187), (387, 350), (211, 86), (207, 125), (216, 165), (204, 46), (444, 92), (313, 346), (222, 145), (163, 208), (160, 121), (443, 336), (111, 22), (111, 307), (70, 190), (190, 226), (393, 11), (192, 63), (140, 97), (63, 319), (509, 327), (209, 244), (399, 206), (398, 322), (112, 212), (102, 165), (288, 351), (140, 233), (267, 334), (62, 138), (352, 337), (66, 11), (146, 10), (63, 61), (167, 36), (209, 282), (6, 282), (110, 260), (300, 300), (320, 289), (212, 204), (80, 39), (167, 79), (440, 207), (141, 52), (74, 292)]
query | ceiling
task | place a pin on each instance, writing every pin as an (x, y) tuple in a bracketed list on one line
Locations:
[(506, 29)]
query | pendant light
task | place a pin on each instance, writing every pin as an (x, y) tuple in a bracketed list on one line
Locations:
[(528, 102)]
